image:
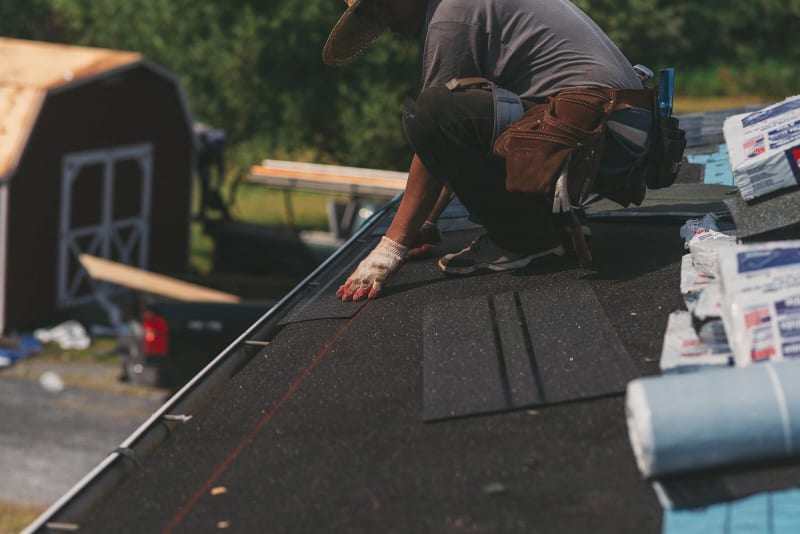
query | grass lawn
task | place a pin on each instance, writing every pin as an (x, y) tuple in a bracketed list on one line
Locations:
[(15, 517), (95, 368), (265, 205), (691, 104), (258, 204)]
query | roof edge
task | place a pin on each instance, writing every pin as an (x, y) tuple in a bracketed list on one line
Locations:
[(30, 111), (39, 95), (45, 65), (75, 505)]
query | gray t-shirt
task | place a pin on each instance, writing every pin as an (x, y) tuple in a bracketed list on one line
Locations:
[(531, 47)]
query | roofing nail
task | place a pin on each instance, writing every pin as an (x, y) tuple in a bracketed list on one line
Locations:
[(181, 418)]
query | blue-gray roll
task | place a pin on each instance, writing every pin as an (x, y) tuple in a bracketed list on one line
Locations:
[(713, 418)]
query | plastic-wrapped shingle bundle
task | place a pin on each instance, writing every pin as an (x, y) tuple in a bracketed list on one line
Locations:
[(761, 300), (764, 148), (685, 422), (696, 339), (687, 350), (764, 154)]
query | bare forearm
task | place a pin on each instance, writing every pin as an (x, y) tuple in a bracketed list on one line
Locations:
[(422, 195), (421, 199), (445, 198)]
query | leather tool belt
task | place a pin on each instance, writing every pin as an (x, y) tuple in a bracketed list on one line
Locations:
[(571, 124)]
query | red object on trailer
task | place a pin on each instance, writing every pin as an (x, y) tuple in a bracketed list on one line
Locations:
[(156, 334)]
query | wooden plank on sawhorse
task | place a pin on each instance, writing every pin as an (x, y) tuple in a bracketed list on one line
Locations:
[(329, 178)]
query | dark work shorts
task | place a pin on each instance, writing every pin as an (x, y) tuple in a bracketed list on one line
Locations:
[(451, 133)]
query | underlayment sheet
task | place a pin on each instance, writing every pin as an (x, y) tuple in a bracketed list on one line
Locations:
[(714, 418), (773, 513), (716, 435), (549, 344)]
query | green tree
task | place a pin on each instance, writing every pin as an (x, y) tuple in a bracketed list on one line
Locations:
[(651, 32), (26, 20), (254, 68)]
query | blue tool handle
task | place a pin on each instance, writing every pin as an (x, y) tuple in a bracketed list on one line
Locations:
[(666, 88)]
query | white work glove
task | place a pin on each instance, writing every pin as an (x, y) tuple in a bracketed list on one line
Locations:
[(427, 242), (372, 272)]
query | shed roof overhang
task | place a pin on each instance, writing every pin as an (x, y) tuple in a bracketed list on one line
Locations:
[(31, 70)]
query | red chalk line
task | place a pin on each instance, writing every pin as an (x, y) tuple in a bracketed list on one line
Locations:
[(250, 436)]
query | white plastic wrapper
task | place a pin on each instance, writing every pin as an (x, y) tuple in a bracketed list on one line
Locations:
[(693, 282), (70, 335), (701, 292), (683, 350), (761, 300), (764, 148), (709, 303), (695, 226), (705, 247)]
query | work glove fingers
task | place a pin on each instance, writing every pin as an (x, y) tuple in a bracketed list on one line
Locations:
[(356, 289), (343, 288), (368, 278), (361, 293), (375, 289)]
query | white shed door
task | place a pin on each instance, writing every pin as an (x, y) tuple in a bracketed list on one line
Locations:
[(105, 212)]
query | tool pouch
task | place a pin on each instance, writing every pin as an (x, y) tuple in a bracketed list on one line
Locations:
[(571, 123), (666, 153)]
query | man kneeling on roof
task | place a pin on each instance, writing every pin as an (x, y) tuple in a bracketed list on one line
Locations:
[(543, 67)]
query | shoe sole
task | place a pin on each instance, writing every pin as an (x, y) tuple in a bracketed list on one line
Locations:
[(499, 267)]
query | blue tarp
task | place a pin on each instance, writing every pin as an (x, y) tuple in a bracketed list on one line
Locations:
[(26, 346), (765, 513), (717, 166)]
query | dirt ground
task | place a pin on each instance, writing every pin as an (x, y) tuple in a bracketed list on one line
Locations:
[(62, 414)]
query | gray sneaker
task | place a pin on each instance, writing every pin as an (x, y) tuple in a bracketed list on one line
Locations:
[(484, 254)]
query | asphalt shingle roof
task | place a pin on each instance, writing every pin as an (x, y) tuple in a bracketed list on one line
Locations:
[(324, 428)]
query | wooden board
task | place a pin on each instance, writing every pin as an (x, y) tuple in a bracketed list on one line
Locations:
[(329, 178), (148, 282)]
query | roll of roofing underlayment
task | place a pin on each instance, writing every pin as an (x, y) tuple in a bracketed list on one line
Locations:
[(714, 418)]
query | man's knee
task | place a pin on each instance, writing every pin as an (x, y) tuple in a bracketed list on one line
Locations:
[(423, 120), (424, 130), (442, 124)]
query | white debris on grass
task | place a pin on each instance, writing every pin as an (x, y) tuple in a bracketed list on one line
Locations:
[(51, 382), (69, 335)]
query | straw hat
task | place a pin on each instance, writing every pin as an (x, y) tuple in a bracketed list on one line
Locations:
[(353, 34)]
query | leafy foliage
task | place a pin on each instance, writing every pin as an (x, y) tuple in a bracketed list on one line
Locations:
[(254, 68)]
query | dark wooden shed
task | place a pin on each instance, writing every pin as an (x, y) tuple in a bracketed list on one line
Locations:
[(96, 156)]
